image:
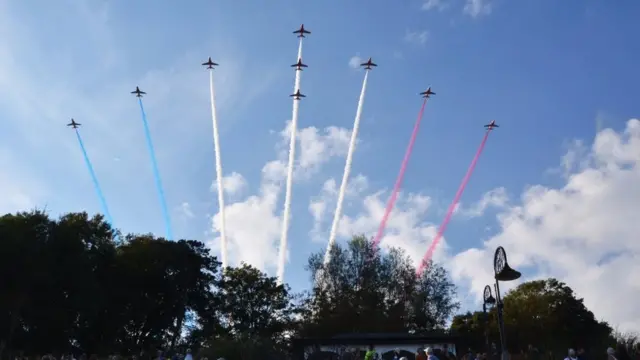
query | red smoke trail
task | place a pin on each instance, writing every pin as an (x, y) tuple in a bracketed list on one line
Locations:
[(396, 186), (452, 207)]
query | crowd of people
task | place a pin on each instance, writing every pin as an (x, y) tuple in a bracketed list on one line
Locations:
[(161, 355), (621, 352)]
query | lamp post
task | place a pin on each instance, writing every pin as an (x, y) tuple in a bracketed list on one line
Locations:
[(503, 272), (487, 303)]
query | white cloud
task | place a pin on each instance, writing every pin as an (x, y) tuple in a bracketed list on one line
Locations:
[(496, 198), (317, 146), (585, 232), (416, 37), (254, 224), (321, 205), (184, 210), (233, 184), (434, 5), (477, 8), (355, 62), (405, 229)]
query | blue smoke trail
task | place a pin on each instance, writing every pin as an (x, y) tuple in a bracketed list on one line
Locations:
[(156, 173), (94, 178)]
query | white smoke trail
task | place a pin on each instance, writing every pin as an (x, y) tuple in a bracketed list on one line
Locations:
[(216, 144), (347, 170), (282, 254)]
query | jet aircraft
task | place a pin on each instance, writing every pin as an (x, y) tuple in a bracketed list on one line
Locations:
[(74, 124), (138, 92), (297, 95), (209, 64), (427, 94), (301, 31), (490, 126), (299, 65), (367, 65)]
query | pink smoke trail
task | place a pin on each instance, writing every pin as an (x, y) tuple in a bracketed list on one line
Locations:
[(452, 207), (398, 184)]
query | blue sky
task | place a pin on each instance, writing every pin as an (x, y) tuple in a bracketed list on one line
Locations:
[(547, 71)]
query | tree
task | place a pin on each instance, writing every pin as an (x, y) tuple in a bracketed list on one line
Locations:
[(70, 286), (162, 281), (543, 313), (547, 311), (628, 340), (253, 304), (363, 290), (50, 267), (471, 328), (435, 299), (249, 318)]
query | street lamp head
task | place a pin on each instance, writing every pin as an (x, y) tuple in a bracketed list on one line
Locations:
[(488, 297), (501, 268)]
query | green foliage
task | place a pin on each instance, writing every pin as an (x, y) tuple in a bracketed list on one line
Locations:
[(242, 348), (535, 307), (472, 327), (69, 285), (362, 290), (543, 313)]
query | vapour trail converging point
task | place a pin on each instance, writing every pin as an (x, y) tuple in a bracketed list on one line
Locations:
[(347, 166), (154, 165), (403, 168), (452, 207), (103, 202), (286, 215), (218, 164)]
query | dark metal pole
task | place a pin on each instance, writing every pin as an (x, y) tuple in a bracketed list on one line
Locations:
[(503, 272), (486, 329), (488, 299), (500, 305)]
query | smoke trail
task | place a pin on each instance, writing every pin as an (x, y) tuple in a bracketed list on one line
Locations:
[(347, 170), (156, 173), (282, 254), (218, 159), (94, 178), (403, 168), (452, 207)]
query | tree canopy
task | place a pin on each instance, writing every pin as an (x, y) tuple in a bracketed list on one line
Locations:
[(74, 285), (542, 313), (364, 290)]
